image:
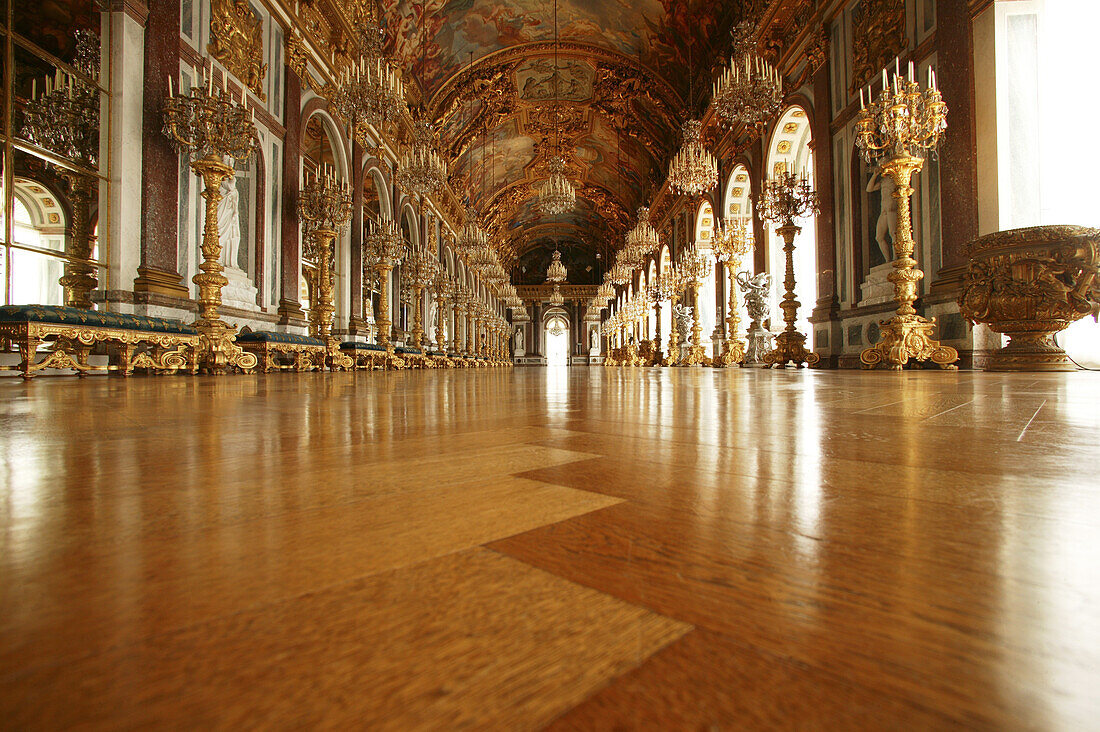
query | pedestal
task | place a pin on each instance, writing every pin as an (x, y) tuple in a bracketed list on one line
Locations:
[(877, 288)]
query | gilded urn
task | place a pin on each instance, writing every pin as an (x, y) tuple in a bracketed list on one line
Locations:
[(1030, 284)]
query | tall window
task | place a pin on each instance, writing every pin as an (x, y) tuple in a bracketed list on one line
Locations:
[(53, 146)]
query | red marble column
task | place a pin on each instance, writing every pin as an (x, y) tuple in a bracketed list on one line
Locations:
[(158, 270), (356, 324), (827, 303), (290, 309), (958, 172)]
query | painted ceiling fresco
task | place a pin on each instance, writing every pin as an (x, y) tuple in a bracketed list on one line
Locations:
[(612, 103)]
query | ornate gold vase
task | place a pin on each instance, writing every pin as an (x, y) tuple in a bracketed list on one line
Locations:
[(1029, 284)]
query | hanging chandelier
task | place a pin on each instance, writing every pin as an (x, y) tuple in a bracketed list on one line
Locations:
[(606, 291), (422, 170), (473, 236), (643, 238), (749, 90), (557, 195), (556, 272), (556, 298), (694, 169), (369, 91)]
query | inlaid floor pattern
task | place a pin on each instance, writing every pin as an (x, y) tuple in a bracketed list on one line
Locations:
[(573, 548)]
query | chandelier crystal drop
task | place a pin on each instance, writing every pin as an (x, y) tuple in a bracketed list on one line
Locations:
[(749, 90), (556, 272), (422, 170), (556, 297), (557, 195), (693, 170)]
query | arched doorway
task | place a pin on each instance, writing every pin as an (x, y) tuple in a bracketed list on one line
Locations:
[(738, 210), (790, 151), (556, 337)]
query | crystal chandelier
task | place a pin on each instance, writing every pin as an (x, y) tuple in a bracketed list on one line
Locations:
[(619, 273), (556, 298), (694, 169), (556, 272), (473, 236), (422, 170), (557, 195), (643, 238), (370, 91), (749, 90), (606, 291), (65, 119)]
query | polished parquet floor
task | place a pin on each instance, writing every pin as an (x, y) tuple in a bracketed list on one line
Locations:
[(575, 548)]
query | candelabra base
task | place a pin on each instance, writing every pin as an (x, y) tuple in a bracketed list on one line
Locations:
[(218, 351), (696, 356), (790, 347), (334, 359), (906, 337), (733, 353)]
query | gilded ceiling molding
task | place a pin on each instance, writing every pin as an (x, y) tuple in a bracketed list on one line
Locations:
[(236, 40)]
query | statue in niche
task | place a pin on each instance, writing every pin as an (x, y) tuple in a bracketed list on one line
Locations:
[(229, 222), (594, 339), (759, 340), (886, 227), (518, 338)]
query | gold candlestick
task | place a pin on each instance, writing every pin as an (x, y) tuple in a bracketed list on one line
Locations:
[(900, 126), (732, 241), (324, 208), (784, 199), (212, 127), (383, 248), (694, 267)]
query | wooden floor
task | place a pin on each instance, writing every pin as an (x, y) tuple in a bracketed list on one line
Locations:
[(579, 548)]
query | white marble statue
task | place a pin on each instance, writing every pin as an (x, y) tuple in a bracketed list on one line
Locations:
[(759, 340), (229, 222), (594, 340), (682, 315), (886, 228), (518, 338)]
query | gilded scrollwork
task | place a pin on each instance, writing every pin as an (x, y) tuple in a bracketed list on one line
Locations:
[(878, 35)]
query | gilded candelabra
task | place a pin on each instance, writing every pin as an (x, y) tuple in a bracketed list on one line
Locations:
[(784, 199), (324, 208), (461, 298), (674, 282), (443, 287), (694, 267), (421, 268), (65, 120), (212, 127), (383, 248), (660, 290), (905, 122), (732, 241)]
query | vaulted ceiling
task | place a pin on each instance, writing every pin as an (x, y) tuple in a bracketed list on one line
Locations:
[(486, 72)]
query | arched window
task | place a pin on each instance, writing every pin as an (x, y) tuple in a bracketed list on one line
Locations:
[(704, 242), (790, 151), (737, 206)]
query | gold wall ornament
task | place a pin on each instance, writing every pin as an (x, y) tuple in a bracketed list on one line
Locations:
[(901, 125), (878, 35), (297, 58), (1030, 284), (237, 41), (784, 199)]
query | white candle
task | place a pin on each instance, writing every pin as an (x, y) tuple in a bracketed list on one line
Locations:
[(34, 89), (897, 66), (934, 81), (861, 105), (170, 86), (929, 77), (912, 73), (884, 82)]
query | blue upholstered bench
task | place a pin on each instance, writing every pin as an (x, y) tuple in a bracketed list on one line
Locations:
[(277, 351), (131, 341)]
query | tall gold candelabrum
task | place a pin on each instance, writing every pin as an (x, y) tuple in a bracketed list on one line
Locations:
[(383, 248), (657, 292), (461, 298), (694, 267), (731, 243), (897, 129), (674, 281), (324, 208), (212, 127), (421, 267), (785, 198), (444, 291)]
